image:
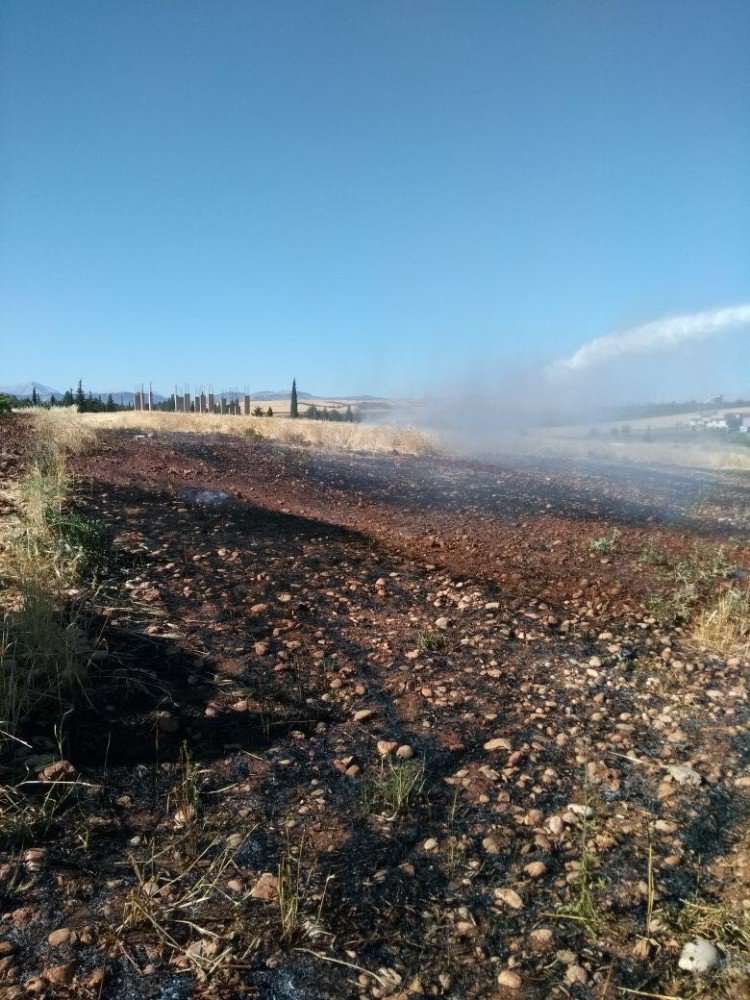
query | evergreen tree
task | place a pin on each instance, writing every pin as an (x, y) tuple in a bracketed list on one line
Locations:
[(34, 396), (80, 399), (52, 400), (110, 404), (293, 409), (68, 399), (269, 411)]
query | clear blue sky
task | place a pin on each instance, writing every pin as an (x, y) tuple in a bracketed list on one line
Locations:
[(365, 194)]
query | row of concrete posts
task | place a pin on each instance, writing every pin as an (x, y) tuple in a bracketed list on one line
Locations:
[(206, 402)]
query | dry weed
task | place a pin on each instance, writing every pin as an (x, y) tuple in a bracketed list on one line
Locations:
[(320, 434), (724, 628)]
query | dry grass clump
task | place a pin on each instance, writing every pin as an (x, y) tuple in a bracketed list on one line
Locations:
[(325, 435), (186, 904), (44, 651), (58, 433), (44, 656), (724, 628)]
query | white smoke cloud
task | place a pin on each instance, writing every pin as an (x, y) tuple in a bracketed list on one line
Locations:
[(659, 335)]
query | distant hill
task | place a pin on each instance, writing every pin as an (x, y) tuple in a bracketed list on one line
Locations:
[(125, 398), (25, 390)]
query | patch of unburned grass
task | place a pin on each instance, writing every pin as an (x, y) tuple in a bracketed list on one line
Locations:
[(44, 652), (397, 785), (692, 575), (44, 656), (724, 628), (318, 434)]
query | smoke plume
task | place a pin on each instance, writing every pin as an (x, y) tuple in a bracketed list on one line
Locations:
[(659, 335)]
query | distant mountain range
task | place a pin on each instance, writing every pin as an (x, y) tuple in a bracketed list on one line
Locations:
[(25, 390)]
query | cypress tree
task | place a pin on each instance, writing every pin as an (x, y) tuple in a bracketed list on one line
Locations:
[(80, 399), (293, 409)]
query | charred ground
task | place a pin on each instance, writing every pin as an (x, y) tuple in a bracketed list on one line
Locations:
[(387, 727)]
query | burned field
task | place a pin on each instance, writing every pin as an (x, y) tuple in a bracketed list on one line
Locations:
[(385, 727)]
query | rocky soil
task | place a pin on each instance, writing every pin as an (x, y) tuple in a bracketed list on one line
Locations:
[(385, 727)]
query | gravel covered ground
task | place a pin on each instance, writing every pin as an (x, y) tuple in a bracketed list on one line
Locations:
[(389, 727)]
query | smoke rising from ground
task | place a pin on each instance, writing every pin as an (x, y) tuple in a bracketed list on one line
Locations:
[(491, 404), (659, 335)]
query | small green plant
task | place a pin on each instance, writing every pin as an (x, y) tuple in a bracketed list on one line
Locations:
[(82, 541), (396, 786), (290, 893), (703, 566), (184, 799), (294, 896), (605, 544), (430, 642), (670, 610), (652, 554), (583, 907)]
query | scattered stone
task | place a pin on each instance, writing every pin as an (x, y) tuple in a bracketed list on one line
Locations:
[(684, 775), (363, 714), (535, 869), (266, 888), (60, 770), (510, 897), (405, 752), (498, 743), (509, 980), (184, 817), (699, 956), (555, 825), (58, 937), (60, 975), (576, 974), (541, 939)]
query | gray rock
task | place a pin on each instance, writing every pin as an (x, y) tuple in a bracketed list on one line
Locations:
[(684, 775)]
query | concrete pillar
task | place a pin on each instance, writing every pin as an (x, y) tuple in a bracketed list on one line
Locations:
[(203, 403), (247, 405), (187, 402), (138, 401), (211, 402)]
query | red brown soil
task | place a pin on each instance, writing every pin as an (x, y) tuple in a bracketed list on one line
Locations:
[(459, 602)]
